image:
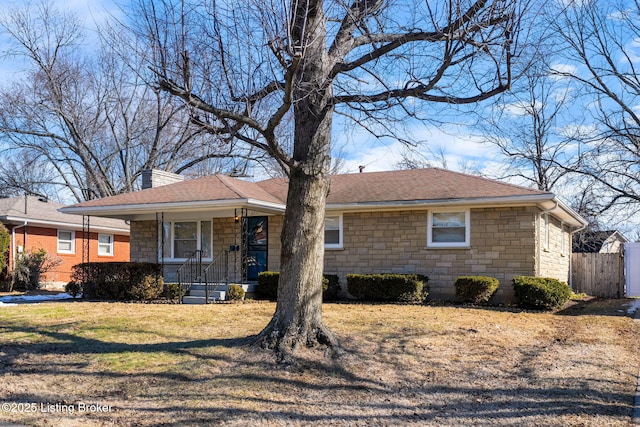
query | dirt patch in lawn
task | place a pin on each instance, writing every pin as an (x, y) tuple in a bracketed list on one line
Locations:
[(422, 365)]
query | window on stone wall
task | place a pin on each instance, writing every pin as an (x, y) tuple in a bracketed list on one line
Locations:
[(181, 239), (448, 229), (544, 232), (333, 231)]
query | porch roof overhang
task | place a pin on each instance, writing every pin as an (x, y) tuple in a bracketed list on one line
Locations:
[(224, 208)]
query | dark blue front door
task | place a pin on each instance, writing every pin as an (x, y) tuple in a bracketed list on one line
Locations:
[(257, 237)]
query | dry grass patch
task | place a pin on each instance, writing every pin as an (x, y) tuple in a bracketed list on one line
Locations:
[(190, 365)]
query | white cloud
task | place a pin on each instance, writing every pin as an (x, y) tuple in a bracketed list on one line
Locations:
[(562, 71), (454, 146)]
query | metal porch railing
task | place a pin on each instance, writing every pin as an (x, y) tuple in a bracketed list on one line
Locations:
[(216, 273), (189, 273)]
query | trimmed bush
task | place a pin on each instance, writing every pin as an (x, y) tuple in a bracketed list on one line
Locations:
[(476, 289), (120, 281), (171, 291), (330, 293), (149, 288), (540, 292), (73, 288), (268, 286), (235, 293), (388, 287)]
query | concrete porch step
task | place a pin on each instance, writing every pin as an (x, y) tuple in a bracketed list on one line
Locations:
[(197, 299)]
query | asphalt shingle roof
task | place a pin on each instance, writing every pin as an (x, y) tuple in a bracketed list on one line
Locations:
[(36, 209), (407, 185), (371, 187)]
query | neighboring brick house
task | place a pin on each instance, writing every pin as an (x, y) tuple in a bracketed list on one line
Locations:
[(35, 223), (429, 221)]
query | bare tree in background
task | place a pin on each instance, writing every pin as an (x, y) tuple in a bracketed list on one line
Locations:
[(528, 126), (601, 59), (247, 70), (89, 115)]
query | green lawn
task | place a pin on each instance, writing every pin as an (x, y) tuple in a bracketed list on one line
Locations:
[(147, 364)]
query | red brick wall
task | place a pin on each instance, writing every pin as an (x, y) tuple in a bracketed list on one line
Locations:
[(47, 239)]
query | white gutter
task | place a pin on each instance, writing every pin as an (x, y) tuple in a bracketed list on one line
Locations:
[(69, 225), (142, 208), (14, 255)]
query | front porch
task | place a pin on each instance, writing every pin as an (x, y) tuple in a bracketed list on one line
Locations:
[(205, 252)]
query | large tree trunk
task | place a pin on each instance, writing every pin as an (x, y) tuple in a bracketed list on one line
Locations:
[(298, 316)]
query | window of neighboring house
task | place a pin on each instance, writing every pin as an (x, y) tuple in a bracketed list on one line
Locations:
[(545, 231), (180, 239), (333, 232), (66, 242), (448, 229), (105, 244)]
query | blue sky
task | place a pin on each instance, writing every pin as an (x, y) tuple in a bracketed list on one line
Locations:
[(456, 145)]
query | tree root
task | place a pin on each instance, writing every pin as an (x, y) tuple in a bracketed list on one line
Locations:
[(285, 342)]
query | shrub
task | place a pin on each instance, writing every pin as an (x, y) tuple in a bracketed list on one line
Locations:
[(119, 280), (476, 289), (268, 286), (235, 293), (171, 291), (5, 240), (73, 288), (29, 268), (541, 293), (388, 287), (149, 288), (332, 289)]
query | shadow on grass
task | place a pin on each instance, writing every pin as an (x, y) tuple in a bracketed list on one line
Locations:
[(257, 390)]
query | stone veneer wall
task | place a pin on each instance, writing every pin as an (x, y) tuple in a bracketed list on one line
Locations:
[(144, 241), (554, 260), (502, 245), (505, 242)]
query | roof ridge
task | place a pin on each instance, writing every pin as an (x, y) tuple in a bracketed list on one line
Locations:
[(230, 183)]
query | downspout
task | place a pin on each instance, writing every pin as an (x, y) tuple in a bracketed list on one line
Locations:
[(14, 255)]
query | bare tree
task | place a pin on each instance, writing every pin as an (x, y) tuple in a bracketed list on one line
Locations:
[(90, 113), (528, 126), (247, 70), (600, 59)]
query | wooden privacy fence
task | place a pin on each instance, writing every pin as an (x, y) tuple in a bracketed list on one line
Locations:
[(599, 275)]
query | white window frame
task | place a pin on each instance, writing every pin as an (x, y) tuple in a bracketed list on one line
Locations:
[(72, 241), (340, 244), (563, 239), (109, 245), (467, 230), (545, 230), (172, 257)]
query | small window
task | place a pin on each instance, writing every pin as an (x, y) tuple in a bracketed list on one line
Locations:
[(105, 244), (448, 229), (545, 231), (66, 242), (333, 232)]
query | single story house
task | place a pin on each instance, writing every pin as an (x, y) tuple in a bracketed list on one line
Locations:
[(35, 223), (603, 242), (431, 221)]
